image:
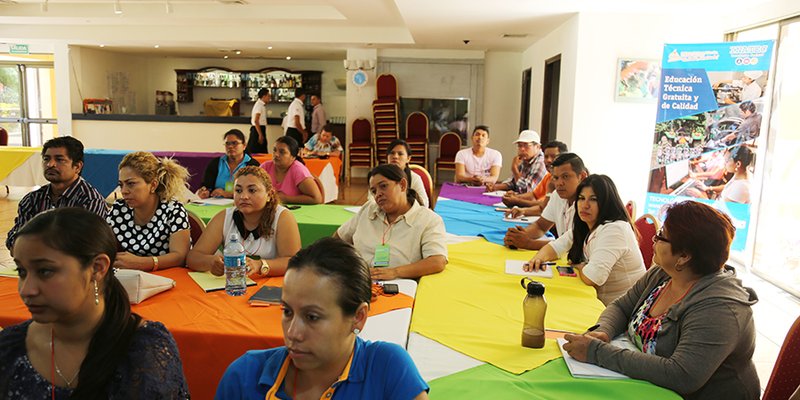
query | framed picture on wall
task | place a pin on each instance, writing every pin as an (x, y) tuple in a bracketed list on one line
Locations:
[(637, 79)]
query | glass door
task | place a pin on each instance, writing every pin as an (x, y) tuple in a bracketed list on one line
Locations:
[(27, 103)]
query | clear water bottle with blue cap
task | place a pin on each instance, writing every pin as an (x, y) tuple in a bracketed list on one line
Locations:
[(235, 266)]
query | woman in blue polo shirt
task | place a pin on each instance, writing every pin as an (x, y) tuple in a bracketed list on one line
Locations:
[(218, 178), (325, 301)]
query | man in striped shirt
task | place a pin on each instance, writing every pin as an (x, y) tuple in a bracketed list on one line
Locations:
[(62, 159)]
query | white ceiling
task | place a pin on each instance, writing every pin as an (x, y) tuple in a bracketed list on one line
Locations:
[(309, 29)]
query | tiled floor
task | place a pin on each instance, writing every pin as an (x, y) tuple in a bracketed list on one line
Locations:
[(774, 313)]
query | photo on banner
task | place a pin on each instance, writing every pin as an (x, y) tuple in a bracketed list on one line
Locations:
[(708, 129)]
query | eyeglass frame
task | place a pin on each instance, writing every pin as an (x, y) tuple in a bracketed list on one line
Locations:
[(658, 237)]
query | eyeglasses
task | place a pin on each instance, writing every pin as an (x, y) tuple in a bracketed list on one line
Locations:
[(659, 237), (232, 144)]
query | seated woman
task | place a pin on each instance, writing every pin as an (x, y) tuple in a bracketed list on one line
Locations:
[(151, 226), (218, 178), (689, 315), (602, 243), (82, 341), (325, 301), (269, 232), (399, 153), (394, 233), (290, 177), (737, 189)]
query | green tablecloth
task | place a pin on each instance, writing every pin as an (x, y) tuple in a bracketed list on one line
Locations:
[(315, 221), (550, 381)]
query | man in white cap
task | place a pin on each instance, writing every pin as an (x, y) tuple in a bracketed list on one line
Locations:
[(751, 90), (528, 168)]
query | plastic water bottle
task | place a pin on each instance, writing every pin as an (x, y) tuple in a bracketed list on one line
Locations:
[(533, 307), (235, 266)]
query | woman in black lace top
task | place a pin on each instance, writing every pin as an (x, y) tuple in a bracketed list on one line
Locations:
[(82, 341)]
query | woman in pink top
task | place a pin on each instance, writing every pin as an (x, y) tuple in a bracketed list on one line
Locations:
[(290, 177)]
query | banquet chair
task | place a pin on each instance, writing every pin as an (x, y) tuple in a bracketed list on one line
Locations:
[(785, 376), (3, 137), (196, 226), (647, 225), (630, 208), (426, 181), (360, 150), (417, 136), (449, 145)]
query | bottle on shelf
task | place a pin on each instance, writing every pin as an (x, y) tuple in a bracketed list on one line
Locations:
[(235, 266), (534, 308)]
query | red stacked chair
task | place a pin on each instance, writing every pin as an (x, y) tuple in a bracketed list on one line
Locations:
[(360, 151), (449, 145), (417, 136), (385, 113)]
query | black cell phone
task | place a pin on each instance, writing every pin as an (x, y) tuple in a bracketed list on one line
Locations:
[(292, 207), (391, 288), (566, 271)]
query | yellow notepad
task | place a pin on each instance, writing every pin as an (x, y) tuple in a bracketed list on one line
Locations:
[(9, 272), (209, 282)]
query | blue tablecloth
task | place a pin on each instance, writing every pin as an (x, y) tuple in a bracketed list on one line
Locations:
[(100, 168), (469, 219)]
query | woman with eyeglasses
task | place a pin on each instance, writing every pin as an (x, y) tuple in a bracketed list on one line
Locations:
[(325, 301), (218, 178), (689, 316), (290, 176), (602, 243)]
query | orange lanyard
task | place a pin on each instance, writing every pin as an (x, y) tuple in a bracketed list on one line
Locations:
[(272, 394)]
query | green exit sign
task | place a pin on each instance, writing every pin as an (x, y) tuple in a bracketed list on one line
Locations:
[(18, 49)]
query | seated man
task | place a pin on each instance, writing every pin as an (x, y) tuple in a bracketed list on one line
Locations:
[(528, 168), (568, 172), (62, 159), (539, 196), (323, 143), (478, 165)]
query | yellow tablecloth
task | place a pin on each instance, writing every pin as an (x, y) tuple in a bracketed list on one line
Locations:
[(12, 157), (474, 307)]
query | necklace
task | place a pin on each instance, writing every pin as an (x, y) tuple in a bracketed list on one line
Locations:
[(55, 366)]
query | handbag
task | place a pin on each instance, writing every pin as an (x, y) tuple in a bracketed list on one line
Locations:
[(141, 285)]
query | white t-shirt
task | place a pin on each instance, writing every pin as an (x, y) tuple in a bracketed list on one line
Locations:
[(751, 92), (259, 108), (560, 212), (737, 191), (479, 166), (613, 259), (295, 108)]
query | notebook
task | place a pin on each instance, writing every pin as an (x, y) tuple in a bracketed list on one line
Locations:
[(266, 296), (209, 282), (585, 370), (514, 267)]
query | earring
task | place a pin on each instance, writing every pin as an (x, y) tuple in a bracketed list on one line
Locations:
[(356, 331), (96, 294)]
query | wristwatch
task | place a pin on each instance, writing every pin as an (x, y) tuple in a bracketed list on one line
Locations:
[(264, 268)]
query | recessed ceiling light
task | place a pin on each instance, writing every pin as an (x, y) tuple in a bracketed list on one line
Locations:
[(156, 46), (269, 47), (117, 8), (226, 57), (238, 52), (102, 45), (288, 57)]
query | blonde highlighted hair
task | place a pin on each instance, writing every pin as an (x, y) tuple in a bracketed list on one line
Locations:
[(268, 213), (171, 176)]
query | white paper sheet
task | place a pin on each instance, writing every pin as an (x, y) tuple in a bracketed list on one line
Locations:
[(353, 210), (514, 267), (496, 193), (521, 220), (215, 201), (585, 370)]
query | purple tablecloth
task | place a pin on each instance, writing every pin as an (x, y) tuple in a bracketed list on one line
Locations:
[(195, 162), (455, 191)]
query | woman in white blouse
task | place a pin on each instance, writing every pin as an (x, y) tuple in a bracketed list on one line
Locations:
[(602, 243), (269, 233), (397, 236)]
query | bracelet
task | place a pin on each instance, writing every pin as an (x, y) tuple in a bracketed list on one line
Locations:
[(155, 264)]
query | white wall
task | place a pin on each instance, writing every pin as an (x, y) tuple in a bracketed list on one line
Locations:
[(501, 103), (91, 69)]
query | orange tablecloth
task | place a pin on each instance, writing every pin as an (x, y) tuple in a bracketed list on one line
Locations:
[(315, 165), (211, 329)]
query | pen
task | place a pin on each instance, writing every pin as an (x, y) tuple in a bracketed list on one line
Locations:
[(550, 263), (592, 328)]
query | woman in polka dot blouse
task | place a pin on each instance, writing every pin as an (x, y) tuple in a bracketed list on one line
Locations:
[(151, 226)]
